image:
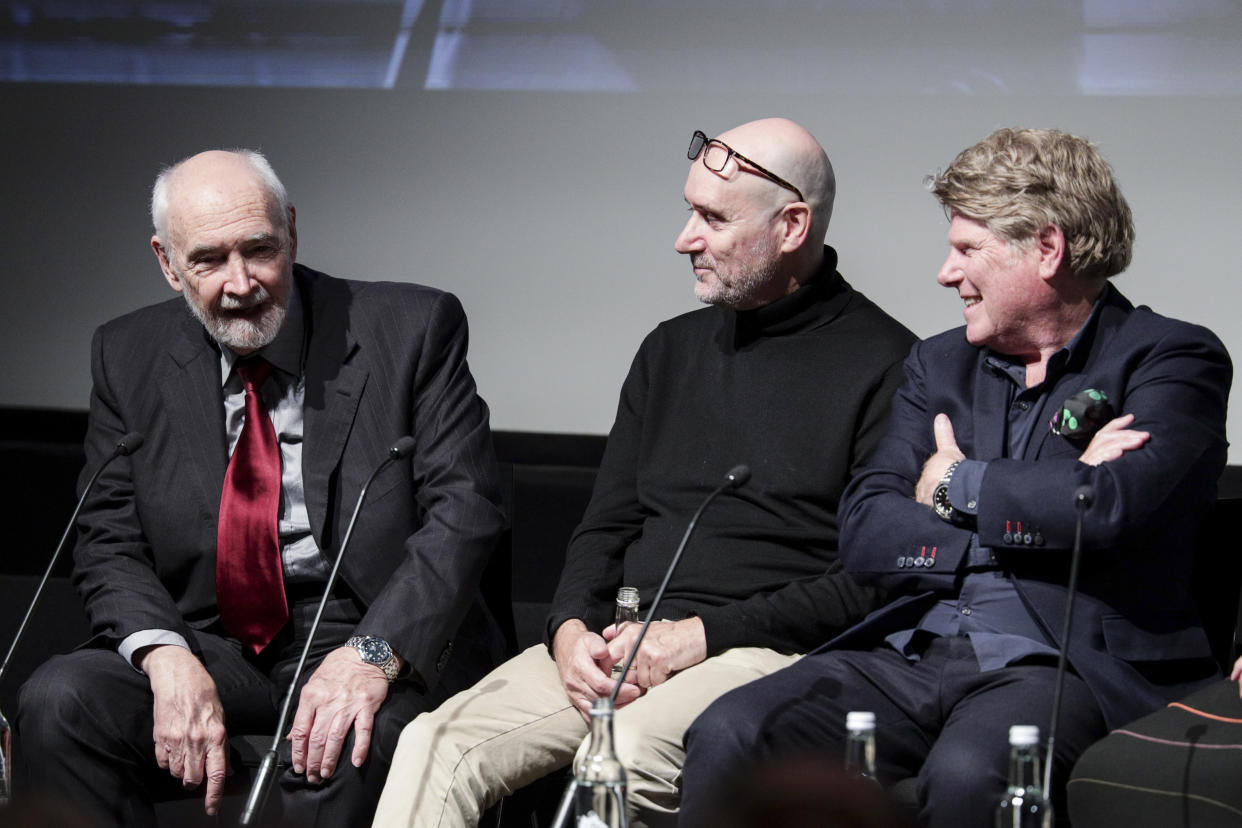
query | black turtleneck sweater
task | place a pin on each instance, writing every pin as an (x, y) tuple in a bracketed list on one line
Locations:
[(798, 390)]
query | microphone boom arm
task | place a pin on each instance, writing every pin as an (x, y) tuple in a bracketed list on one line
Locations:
[(736, 477), (1083, 497), (267, 768), (126, 446)]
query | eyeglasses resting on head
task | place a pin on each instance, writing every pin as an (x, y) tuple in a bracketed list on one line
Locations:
[(716, 154)]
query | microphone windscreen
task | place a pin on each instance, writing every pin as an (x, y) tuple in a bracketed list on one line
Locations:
[(1084, 495), (738, 475), (130, 443), (402, 448)]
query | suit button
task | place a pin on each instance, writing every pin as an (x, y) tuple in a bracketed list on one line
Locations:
[(930, 562), (1027, 539), (919, 561), (966, 610), (1039, 539), (901, 562), (1008, 538)]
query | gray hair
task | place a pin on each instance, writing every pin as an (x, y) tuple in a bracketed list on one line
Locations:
[(162, 190)]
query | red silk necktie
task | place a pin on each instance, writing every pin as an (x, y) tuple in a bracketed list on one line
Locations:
[(250, 586)]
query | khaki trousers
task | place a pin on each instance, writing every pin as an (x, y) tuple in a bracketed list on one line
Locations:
[(516, 725)]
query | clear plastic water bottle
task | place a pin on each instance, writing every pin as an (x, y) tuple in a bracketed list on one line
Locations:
[(860, 745), (1024, 804), (599, 781), (627, 613)]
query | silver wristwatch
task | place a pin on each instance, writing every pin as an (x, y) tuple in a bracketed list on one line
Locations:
[(376, 651), (940, 497)]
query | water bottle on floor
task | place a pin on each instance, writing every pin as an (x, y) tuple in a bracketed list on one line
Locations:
[(599, 782), (1024, 804), (860, 745)]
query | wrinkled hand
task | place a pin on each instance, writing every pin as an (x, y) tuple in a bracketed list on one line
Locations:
[(585, 664), (1113, 440), (190, 738), (946, 454), (668, 647), (344, 692)]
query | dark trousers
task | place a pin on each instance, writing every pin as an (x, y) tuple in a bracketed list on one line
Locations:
[(939, 719), (85, 726)]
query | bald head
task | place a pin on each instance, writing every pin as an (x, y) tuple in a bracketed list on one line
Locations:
[(751, 239), (225, 238), (215, 176), (790, 151)]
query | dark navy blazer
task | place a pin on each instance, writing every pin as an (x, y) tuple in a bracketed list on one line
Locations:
[(1136, 638)]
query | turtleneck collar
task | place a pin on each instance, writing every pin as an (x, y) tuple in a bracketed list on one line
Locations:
[(813, 304)]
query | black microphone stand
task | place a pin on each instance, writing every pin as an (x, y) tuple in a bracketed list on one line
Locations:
[(126, 446), (737, 476), (267, 769), (1083, 497)]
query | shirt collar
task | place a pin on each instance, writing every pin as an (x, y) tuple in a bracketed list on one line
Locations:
[(1057, 363), (284, 352)]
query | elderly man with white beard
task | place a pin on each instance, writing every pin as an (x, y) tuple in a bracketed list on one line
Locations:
[(202, 558)]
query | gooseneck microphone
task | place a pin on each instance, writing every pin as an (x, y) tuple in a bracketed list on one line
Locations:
[(126, 446), (1084, 496), (267, 769), (734, 479)]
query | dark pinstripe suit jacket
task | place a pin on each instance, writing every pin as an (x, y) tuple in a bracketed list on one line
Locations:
[(383, 360)]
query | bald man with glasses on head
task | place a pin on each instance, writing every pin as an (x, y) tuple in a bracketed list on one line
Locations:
[(791, 371)]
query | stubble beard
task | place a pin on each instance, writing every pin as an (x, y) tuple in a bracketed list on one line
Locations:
[(733, 289)]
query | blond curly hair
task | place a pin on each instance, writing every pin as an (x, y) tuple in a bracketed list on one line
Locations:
[(1018, 181)]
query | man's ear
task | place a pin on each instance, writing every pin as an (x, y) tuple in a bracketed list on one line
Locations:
[(795, 226), (293, 234), (1050, 242), (170, 275)]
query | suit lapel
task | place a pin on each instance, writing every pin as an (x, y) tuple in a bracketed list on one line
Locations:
[(1078, 375), (191, 392), (334, 384), (990, 396)]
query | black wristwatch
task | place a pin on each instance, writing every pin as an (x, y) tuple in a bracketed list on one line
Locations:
[(376, 651), (940, 497)]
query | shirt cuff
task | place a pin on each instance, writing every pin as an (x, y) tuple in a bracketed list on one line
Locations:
[(133, 642), (965, 484), (978, 556)]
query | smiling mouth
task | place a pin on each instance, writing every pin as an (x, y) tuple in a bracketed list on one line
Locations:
[(970, 303)]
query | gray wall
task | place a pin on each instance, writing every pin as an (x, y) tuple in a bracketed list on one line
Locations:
[(552, 216)]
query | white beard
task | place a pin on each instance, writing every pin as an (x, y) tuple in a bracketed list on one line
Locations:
[(242, 335)]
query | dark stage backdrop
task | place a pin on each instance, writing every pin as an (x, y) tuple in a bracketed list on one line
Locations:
[(529, 154)]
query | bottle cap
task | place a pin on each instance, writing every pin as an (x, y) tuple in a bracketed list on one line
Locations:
[(1023, 735), (628, 596), (859, 720)]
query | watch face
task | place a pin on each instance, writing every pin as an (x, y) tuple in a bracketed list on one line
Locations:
[(940, 500), (374, 650)]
